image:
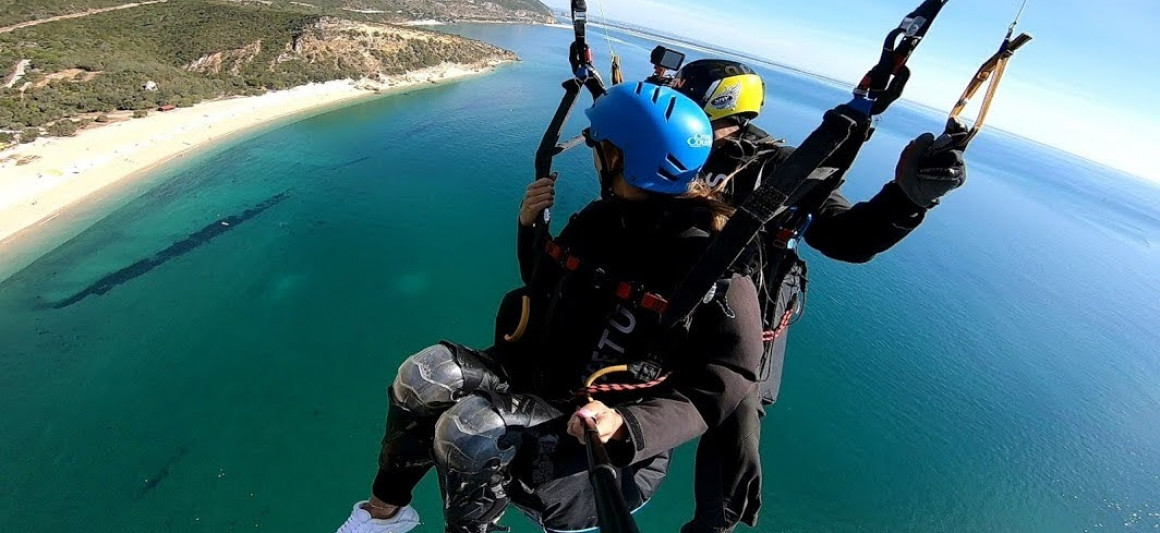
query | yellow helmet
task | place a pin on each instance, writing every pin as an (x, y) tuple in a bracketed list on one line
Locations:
[(723, 88)]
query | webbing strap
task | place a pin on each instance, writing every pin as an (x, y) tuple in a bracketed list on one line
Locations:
[(883, 84), (584, 76), (630, 293), (791, 181), (992, 70)]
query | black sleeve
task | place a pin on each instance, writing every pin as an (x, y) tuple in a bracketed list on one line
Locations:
[(719, 368), (857, 233), (526, 250)]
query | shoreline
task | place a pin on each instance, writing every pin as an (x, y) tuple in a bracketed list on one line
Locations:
[(60, 172)]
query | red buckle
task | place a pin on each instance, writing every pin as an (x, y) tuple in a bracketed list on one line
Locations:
[(624, 291), (654, 303), (784, 236), (554, 250)]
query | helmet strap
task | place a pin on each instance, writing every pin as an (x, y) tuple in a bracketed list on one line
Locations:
[(739, 121), (607, 174)]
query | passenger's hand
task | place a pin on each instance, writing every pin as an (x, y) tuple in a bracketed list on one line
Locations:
[(609, 423), (929, 168), (540, 196)]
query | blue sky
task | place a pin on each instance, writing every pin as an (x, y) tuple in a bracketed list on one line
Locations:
[(1086, 84)]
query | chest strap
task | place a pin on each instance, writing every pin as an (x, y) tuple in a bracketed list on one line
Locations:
[(630, 293)]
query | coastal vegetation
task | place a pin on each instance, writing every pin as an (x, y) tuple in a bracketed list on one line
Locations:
[(397, 11), (19, 11), (180, 52)]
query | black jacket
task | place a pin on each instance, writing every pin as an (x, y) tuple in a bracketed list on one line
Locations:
[(713, 364), (850, 233)]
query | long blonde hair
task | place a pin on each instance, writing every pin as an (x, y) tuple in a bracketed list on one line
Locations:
[(701, 190)]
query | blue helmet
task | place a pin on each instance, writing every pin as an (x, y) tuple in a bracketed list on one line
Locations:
[(664, 135)]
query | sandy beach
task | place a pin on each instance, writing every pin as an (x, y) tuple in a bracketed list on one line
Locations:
[(41, 179)]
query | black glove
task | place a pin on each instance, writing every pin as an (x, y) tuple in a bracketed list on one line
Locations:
[(930, 168)]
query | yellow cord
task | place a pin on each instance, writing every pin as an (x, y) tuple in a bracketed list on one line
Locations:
[(601, 373), (617, 75), (522, 327), (604, 372)]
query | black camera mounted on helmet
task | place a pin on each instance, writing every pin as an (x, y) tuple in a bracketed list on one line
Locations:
[(664, 60)]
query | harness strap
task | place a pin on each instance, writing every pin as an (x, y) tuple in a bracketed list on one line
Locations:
[(584, 76), (630, 293), (992, 70), (883, 84)]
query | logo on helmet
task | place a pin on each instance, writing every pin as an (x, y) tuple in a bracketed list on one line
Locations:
[(716, 179), (701, 140), (728, 100)]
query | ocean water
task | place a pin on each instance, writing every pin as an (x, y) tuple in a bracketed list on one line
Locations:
[(208, 350)]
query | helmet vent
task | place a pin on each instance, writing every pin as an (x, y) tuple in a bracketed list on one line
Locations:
[(669, 111), (666, 174), (639, 87), (656, 94), (675, 162)]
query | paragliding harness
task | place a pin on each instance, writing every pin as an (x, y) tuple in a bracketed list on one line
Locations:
[(782, 281), (584, 76), (772, 262), (817, 165), (634, 299), (820, 162)]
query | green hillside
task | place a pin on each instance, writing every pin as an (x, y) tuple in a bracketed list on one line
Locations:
[(194, 50), (17, 11)]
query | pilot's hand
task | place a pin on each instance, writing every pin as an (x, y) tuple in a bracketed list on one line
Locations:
[(609, 423), (541, 195)]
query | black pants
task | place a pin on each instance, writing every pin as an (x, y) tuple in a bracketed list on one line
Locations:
[(728, 469), (728, 472), (452, 409)]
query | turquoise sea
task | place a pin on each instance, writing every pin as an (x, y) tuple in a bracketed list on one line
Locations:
[(207, 350)]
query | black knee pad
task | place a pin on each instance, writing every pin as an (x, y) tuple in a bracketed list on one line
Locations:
[(482, 431), (435, 378), (471, 438), (429, 381), (475, 442)]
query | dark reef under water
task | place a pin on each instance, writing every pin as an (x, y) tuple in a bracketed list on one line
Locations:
[(175, 250)]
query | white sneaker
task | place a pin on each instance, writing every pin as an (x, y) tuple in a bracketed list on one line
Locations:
[(360, 521)]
